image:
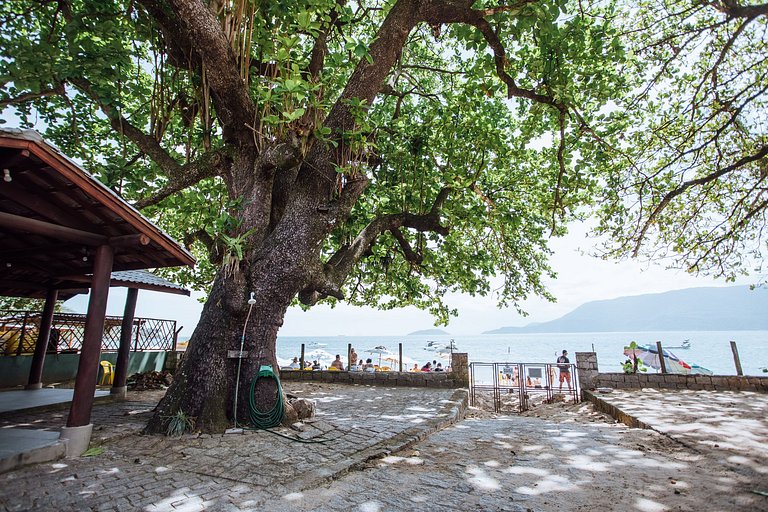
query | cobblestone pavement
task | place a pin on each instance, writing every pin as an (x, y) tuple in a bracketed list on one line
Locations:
[(731, 425), (570, 460), (524, 464), (225, 472)]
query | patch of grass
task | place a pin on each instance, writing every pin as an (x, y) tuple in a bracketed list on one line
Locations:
[(179, 423)]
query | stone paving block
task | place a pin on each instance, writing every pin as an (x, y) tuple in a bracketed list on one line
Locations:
[(168, 466)]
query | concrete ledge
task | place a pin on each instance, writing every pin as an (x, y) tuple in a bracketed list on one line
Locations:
[(19, 447), (603, 406), (59, 400), (77, 439)]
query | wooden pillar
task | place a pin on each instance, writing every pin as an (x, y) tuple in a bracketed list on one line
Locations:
[(88, 369), (124, 352), (662, 362), (736, 359), (38, 360), (400, 356)]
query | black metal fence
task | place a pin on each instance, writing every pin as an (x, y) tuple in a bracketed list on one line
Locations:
[(514, 386), (19, 331)]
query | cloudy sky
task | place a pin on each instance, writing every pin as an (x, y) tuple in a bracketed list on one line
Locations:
[(580, 279)]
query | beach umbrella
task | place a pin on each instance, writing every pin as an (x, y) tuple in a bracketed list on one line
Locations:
[(700, 370), (649, 355), (392, 359), (320, 355), (381, 350)]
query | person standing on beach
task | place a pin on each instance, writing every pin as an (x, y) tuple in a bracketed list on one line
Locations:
[(352, 356), (565, 369)]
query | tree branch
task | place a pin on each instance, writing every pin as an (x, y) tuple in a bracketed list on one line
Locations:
[(148, 145), (210, 164), (737, 10), (364, 84), (408, 252), (234, 107), (320, 48), (179, 176), (760, 154), (340, 265), (56, 90), (177, 44)]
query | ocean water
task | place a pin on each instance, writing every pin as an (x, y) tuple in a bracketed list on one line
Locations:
[(710, 349)]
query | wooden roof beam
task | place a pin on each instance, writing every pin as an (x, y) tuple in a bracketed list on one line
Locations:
[(38, 227), (40, 205)]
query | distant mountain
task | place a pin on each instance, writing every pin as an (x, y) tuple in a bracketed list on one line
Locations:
[(429, 332), (733, 308)]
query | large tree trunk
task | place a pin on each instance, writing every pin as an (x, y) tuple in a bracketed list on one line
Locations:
[(275, 269)]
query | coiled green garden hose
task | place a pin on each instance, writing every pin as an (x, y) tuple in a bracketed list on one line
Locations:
[(274, 416)]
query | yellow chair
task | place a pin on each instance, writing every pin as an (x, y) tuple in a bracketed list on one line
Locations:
[(10, 339), (107, 373)]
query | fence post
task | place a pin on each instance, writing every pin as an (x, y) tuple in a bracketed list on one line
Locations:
[(400, 355), (661, 357), (736, 358), (176, 336), (301, 360), (23, 334), (138, 335)]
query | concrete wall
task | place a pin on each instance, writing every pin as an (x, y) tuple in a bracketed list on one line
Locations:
[(14, 370), (591, 378), (458, 378)]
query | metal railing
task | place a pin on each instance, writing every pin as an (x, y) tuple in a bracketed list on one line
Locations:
[(19, 331), (515, 385)]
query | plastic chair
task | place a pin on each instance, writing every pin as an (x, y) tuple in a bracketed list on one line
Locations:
[(107, 373)]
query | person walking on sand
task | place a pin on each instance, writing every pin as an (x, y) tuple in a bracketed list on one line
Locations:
[(564, 365)]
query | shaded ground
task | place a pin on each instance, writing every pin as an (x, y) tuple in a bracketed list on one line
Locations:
[(556, 457)]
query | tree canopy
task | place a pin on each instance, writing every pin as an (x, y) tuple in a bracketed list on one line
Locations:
[(482, 138), (511, 111), (690, 186)]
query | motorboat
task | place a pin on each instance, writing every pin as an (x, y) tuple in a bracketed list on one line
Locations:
[(441, 347), (684, 345)]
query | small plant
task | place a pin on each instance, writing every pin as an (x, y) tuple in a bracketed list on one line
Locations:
[(179, 423), (629, 366), (632, 364), (93, 452)]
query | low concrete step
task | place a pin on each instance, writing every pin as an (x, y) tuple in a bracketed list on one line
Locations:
[(21, 446)]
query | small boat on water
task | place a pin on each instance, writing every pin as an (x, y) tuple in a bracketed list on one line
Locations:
[(316, 344), (684, 345), (441, 347)]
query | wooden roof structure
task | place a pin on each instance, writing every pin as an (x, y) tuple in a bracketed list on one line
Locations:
[(53, 216)]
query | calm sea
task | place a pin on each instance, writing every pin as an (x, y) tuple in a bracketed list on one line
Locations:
[(710, 349)]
